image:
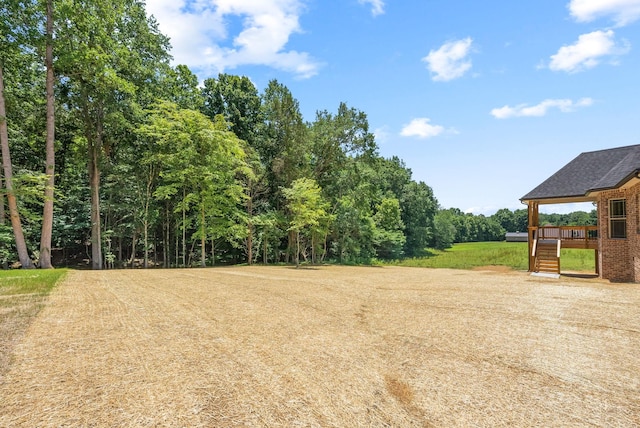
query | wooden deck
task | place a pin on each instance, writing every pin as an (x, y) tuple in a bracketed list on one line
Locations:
[(585, 237), (545, 243)]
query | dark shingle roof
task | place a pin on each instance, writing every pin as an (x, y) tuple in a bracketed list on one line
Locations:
[(590, 171)]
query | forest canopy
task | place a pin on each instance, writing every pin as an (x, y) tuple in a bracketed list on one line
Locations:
[(112, 157)]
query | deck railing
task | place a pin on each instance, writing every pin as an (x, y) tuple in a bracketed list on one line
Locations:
[(571, 236)]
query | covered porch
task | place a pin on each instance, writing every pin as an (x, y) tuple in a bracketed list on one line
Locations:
[(545, 242), (611, 179)]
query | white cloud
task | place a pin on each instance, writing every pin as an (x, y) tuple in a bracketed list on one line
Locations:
[(381, 134), (199, 32), (449, 61), (587, 52), (541, 109), (487, 210), (377, 6), (623, 12), (421, 128)]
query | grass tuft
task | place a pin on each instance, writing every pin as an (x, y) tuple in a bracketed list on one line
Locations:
[(41, 282)]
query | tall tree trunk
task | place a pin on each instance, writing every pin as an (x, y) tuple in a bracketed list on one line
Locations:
[(145, 263), (166, 251), (147, 202), (23, 254), (184, 229), (3, 219), (324, 248), (193, 245), (203, 246), (290, 246), (250, 244), (94, 184), (2, 214), (134, 242), (177, 246), (264, 251), (94, 146), (297, 249), (164, 243), (250, 228), (47, 212)]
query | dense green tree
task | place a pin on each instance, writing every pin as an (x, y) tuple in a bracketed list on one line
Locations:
[(521, 220), (180, 85), (106, 51), (388, 237), (307, 209), (336, 141), (50, 162), (445, 231), (271, 227), (353, 232), (487, 229), (419, 207), (576, 218), (392, 176), (197, 162), (253, 182), (506, 219), (474, 228), (14, 213), (285, 149), (237, 99), (14, 32)]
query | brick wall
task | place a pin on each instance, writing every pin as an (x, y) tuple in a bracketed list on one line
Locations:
[(620, 258)]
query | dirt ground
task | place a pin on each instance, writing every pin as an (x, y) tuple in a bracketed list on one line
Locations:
[(327, 347)]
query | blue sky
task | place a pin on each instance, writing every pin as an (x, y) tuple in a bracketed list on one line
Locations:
[(482, 100)]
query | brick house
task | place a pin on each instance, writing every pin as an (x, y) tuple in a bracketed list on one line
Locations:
[(609, 178)]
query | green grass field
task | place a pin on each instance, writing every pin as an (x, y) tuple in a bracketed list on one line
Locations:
[(510, 254), (32, 281)]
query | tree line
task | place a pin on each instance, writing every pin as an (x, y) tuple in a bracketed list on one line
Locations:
[(112, 157), (455, 226)]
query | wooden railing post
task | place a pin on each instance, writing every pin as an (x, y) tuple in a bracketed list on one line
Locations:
[(533, 218)]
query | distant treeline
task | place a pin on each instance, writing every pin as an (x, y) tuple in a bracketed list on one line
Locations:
[(454, 226)]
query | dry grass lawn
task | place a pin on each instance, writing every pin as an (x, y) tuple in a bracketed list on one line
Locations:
[(327, 347)]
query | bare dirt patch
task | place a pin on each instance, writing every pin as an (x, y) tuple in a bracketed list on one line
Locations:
[(493, 268), (17, 311), (335, 346)]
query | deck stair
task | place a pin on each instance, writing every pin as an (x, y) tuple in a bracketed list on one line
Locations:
[(547, 255)]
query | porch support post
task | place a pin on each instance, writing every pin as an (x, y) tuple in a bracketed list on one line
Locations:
[(533, 223)]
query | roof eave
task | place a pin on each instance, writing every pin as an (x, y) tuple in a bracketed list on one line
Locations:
[(591, 195), (560, 199), (630, 180)]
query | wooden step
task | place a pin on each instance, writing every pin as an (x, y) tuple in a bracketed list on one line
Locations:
[(547, 259)]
